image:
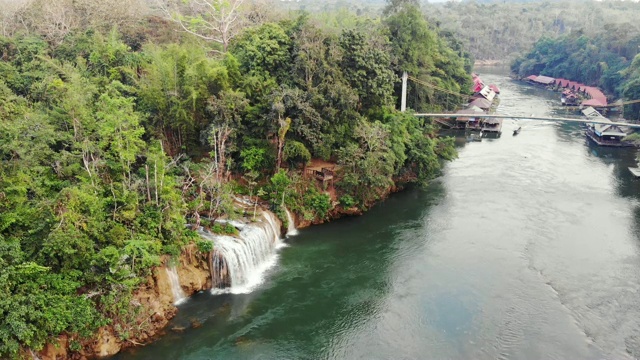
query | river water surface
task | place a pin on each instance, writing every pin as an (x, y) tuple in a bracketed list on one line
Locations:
[(527, 248)]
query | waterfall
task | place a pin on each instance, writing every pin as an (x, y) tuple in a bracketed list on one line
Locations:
[(176, 289), (239, 263), (291, 228)]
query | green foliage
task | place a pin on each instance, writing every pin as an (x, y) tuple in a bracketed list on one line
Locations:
[(107, 147), (263, 52), (320, 204), (279, 182), (600, 60), (632, 92), (347, 201), (253, 158), (204, 246), (224, 229), (296, 153), (177, 81), (367, 67), (419, 51), (516, 25), (593, 61), (41, 304)]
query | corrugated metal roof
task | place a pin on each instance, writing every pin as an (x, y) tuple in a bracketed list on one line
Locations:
[(481, 103), (487, 93), (471, 111), (602, 129), (546, 80)]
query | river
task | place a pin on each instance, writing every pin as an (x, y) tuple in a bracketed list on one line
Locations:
[(528, 247)]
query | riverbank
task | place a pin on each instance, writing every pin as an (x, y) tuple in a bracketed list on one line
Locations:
[(155, 302), (505, 256)]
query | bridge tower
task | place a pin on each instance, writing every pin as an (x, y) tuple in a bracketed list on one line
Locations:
[(403, 101)]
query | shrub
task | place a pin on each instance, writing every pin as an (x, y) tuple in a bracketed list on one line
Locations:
[(347, 201), (204, 246), (230, 229), (319, 204)]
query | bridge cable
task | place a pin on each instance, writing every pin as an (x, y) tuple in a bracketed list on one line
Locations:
[(422, 82)]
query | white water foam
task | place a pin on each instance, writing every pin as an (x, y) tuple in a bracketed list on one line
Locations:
[(243, 261), (178, 295), (291, 228)]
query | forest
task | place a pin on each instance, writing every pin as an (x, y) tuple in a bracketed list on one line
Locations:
[(606, 60), (123, 122), (503, 30), (593, 42)]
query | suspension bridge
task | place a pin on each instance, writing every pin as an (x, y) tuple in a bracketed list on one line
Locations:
[(582, 120), (532, 117)]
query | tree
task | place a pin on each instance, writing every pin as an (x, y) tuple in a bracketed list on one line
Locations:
[(632, 92), (280, 182), (120, 132), (264, 52), (53, 19), (367, 66), (227, 110), (213, 20), (296, 152), (369, 164), (174, 90), (9, 10)]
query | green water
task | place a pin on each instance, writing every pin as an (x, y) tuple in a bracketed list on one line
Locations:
[(528, 247)]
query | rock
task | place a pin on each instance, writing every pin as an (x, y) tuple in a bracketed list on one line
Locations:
[(55, 351), (157, 317), (194, 272), (195, 323), (107, 343)]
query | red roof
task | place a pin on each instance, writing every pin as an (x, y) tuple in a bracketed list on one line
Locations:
[(596, 94), (531, 77), (477, 84), (573, 84), (593, 92), (593, 102), (494, 88)]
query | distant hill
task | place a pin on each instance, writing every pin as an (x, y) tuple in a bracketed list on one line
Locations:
[(502, 30)]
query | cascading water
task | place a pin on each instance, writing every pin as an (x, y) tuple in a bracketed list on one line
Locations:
[(178, 295), (238, 264), (291, 226)]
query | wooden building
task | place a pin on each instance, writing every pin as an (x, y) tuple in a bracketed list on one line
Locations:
[(604, 134)]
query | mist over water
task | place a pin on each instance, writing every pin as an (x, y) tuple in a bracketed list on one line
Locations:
[(526, 248)]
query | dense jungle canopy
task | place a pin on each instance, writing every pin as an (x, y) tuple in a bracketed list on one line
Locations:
[(123, 121)]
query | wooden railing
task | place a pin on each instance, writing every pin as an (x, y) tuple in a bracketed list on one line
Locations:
[(323, 174)]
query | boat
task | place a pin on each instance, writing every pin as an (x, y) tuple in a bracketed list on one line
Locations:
[(517, 131), (475, 137), (635, 172)]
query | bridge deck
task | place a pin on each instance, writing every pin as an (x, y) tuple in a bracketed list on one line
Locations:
[(533, 117)]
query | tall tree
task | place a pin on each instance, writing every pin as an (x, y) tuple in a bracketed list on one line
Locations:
[(218, 21)]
